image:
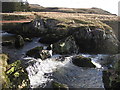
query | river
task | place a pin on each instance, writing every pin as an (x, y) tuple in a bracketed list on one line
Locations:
[(42, 72)]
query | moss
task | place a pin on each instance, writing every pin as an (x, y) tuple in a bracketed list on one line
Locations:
[(17, 75)]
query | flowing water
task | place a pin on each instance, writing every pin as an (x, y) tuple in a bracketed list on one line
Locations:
[(60, 68)]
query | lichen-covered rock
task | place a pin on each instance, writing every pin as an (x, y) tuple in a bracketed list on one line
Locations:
[(65, 46), (38, 52), (17, 75), (19, 41), (95, 40), (59, 86), (82, 61)]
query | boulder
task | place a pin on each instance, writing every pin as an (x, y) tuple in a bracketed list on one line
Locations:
[(59, 86), (83, 62), (65, 46), (95, 40), (111, 77), (19, 41), (38, 52), (17, 75), (13, 75)]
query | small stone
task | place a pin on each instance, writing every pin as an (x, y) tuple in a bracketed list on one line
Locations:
[(83, 62)]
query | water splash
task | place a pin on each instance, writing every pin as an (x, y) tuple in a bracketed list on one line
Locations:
[(40, 71)]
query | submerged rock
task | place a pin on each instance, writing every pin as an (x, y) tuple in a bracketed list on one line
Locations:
[(19, 41), (65, 46), (59, 86), (38, 52), (83, 62)]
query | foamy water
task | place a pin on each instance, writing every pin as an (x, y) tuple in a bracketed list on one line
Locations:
[(43, 72), (40, 71)]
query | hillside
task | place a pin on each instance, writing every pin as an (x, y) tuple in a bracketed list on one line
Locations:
[(38, 8)]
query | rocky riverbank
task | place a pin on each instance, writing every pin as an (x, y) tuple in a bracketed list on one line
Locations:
[(69, 36)]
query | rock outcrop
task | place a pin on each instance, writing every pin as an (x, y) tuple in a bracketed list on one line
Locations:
[(96, 40)]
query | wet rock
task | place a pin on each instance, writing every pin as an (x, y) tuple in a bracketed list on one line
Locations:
[(45, 54), (7, 43), (35, 52), (38, 52), (50, 38), (13, 75), (59, 86), (95, 40), (19, 41), (17, 75), (113, 75), (83, 62), (65, 46), (28, 39)]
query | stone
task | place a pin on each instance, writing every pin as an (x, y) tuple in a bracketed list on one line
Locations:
[(13, 75), (38, 52), (65, 46), (35, 52), (82, 61), (19, 41), (59, 86), (17, 75)]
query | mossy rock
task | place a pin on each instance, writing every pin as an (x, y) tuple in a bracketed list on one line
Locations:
[(59, 86), (82, 61), (12, 75), (17, 75), (65, 46)]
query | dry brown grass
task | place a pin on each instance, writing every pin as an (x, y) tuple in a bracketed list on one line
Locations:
[(77, 19)]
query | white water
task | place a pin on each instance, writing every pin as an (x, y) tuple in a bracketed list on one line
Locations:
[(43, 72), (40, 71)]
